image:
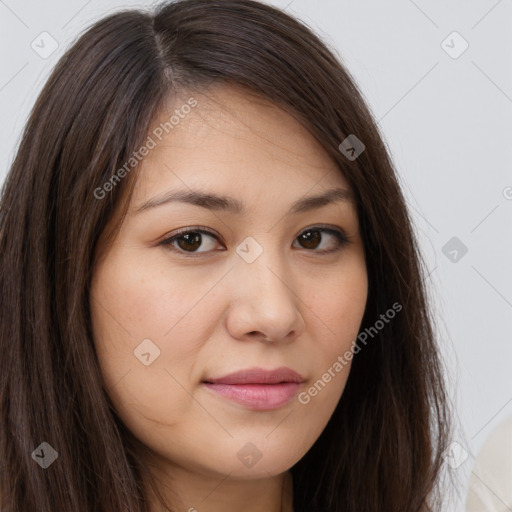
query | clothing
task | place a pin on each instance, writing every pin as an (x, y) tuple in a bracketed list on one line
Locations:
[(490, 486)]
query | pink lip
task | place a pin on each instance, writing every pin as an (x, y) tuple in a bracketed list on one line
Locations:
[(258, 389)]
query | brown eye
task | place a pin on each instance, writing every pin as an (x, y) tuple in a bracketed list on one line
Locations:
[(312, 238), (191, 240), (197, 241)]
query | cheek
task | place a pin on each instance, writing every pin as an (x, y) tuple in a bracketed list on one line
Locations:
[(131, 304), (337, 311), (134, 299), (337, 307), (145, 315)]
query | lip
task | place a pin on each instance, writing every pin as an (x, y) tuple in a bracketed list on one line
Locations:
[(257, 388), (259, 376)]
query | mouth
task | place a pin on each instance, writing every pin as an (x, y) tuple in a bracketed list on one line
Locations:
[(256, 388)]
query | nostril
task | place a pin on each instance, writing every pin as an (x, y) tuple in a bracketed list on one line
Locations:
[(258, 333)]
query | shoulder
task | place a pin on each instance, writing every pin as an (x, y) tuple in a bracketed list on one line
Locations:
[(489, 486)]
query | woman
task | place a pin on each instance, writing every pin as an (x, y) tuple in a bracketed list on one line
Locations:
[(213, 296)]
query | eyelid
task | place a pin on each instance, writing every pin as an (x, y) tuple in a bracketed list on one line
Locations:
[(194, 229)]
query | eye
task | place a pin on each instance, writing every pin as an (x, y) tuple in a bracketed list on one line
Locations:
[(312, 238), (190, 240)]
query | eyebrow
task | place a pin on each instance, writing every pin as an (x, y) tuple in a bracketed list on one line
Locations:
[(229, 204)]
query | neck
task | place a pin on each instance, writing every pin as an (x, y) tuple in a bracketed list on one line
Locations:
[(191, 492)]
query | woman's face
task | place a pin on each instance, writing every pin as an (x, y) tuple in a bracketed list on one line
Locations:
[(260, 282)]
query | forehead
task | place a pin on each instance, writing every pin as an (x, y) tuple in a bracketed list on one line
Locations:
[(232, 135)]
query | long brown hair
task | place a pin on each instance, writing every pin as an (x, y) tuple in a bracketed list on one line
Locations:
[(382, 449)]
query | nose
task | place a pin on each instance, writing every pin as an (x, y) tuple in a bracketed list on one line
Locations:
[(264, 302)]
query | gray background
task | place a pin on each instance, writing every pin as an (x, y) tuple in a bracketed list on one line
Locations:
[(446, 120)]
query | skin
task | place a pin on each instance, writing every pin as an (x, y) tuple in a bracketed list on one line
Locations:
[(211, 312)]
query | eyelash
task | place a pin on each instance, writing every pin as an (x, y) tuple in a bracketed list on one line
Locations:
[(341, 237)]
